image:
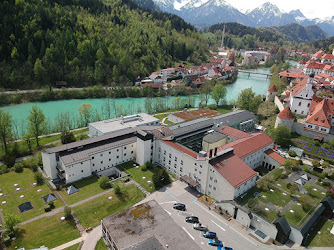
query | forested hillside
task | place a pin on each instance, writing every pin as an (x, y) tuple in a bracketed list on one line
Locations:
[(85, 42), (240, 36)]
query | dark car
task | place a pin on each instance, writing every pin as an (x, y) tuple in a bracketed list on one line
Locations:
[(179, 206), (227, 248), (209, 235), (192, 219), (215, 243)]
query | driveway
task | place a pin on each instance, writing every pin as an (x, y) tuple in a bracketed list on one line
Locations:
[(230, 232)]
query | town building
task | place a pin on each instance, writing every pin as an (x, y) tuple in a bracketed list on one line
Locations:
[(112, 125), (213, 167), (301, 96), (145, 226), (271, 93)]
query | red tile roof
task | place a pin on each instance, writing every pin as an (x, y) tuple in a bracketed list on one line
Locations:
[(318, 54), (272, 88), (233, 169), (301, 85), (328, 56), (321, 111), (315, 65), (246, 146), (236, 133), (286, 114), (271, 153), (182, 149)]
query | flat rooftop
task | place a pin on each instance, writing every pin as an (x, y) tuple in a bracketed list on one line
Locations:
[(120, 123), (147, 224), (199, 113)]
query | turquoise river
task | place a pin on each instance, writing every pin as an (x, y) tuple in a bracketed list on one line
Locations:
[(51, 109)]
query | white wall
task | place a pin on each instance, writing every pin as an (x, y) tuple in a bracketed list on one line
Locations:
[(317, 128), (300, 106), (296, 236), (77, 171), (255, 159), (245, 187), (264, 226), (143, 152), (49, 165)]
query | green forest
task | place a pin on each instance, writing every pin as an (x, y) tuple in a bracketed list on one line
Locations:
[(88, 42)]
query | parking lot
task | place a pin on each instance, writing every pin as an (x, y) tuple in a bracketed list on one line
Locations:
[(230, 232)]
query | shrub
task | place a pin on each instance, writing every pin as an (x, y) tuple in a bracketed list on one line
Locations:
[(288, 185), (149, 165), (212, 106), (317, 143), (117, 188), (325, 164), (3, 169), (104, 182), (301, 162), (51, 204), (292, 153), (326, 183), (18, 168), (315, 163), (253, 203), (143, 168), (47, 208), (6, 238), (67, 213), (160, 178), (39, 178)]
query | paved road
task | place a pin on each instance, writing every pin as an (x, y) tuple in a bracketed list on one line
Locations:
[(231, 233)]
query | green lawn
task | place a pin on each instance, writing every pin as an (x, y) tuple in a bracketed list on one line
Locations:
[(91, 213), (74, 247), (137, 174), (48, 231), (324, 238), (224, 111), (100, 245), (24, 179), (32, 196), (269, 215), (88, 187), (298, 217), (315, 194), (276, 197)]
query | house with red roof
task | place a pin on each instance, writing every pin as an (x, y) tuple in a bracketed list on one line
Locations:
[(313, 67), (285, 117), (301, 96), (321, 116)]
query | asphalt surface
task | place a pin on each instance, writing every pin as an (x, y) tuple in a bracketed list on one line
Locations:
[(230, 232)]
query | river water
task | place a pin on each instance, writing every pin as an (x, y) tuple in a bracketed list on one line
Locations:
[(51, 109)]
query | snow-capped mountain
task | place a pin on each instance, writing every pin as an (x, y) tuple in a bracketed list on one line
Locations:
[(208, 12)]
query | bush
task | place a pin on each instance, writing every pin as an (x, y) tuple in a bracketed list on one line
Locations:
[(51, 204), (67, 138), (39, 178), (18, 168), (67, 213), (6, 238), (160, 178), (301, 162), (326, 183), (212, 106), (47, 208), (288, 185), (104, 182), (325, 164), (292, 153), (117, 188), (315, 163), (149, 165), (143, 168), (317, 143), (3, 169)]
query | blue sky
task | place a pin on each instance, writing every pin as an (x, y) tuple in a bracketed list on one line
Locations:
[(311, 9)]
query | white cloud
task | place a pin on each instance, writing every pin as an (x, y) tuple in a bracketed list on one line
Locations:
[(311, 9)]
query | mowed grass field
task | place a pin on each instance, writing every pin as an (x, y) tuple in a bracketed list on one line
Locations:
[(47, 231), (91, 213)]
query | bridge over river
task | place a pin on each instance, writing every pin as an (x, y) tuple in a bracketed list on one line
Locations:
[(256, 73)]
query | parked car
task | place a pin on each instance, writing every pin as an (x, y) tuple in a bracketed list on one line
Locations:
[(200, 227), (224, 248), (209, 235), (215, 243), (192, 219), (179, 206)]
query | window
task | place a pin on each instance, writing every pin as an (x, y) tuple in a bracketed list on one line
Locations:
[(215, 181), (200, 166), (195, 169), (131, 152), (181, 169), (109, 152), (159, 149), (200, 172), (302, 112), (164, 158), (164, 152), (117, 156), (170, 155), (92, 157), (101, 155), (93, 164), (81, 171), (169, 162), (109, 159), (124, 154), (181, 162), (211, 177), (210, 186), (308, 105), (81, 163), (175, 158), (214, 188), (101, 162), (117, 150), (124, 147)]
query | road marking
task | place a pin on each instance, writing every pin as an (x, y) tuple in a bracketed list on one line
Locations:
[(218, 225), (188, 233), (172, 196), (168, 212), (205, 209), (167, 202), (191, 202)]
